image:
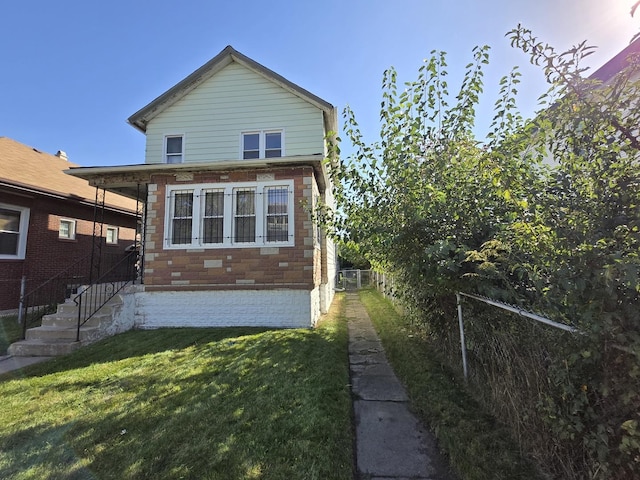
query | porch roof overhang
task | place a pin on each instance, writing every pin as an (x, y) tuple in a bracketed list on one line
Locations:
[(127, 179)]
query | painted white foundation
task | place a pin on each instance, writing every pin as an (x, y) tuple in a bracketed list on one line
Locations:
[(260, 308)]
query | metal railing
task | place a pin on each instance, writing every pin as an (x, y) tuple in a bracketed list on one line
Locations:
[(44, 299), (97, 294)]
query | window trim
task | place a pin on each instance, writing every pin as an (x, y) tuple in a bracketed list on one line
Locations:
[(262, 142), (165, 154), (228, 240), (106, 235), (73, 228), (23, 231)]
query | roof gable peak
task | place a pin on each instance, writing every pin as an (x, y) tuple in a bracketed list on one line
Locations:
[(228, 55)]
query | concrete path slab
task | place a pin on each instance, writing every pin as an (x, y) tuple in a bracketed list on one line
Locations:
[(9, 363), (391, 444)]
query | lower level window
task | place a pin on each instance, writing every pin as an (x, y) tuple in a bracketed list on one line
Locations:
[(224, 215), (14, 222)]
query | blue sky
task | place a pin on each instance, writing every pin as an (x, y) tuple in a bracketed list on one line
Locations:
[(73, 71)]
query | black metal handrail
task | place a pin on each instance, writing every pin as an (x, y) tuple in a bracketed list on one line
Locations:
[(45, 297), (97, 293)]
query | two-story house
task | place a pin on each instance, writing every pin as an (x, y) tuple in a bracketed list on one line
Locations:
[(234, 165)]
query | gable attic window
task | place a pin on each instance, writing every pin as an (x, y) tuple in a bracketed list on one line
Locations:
[(14, 222), (173, 148), (262, 144)]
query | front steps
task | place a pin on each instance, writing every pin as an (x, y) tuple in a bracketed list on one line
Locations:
[(57, 335)]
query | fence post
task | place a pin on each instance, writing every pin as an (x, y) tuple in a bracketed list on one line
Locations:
[(23, 284), (463, 345)]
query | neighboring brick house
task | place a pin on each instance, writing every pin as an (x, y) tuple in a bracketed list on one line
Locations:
[(47, 219), (234, 164)]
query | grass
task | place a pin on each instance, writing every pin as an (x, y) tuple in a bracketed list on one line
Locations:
[(235, 403), (10, 331), (478, 447)]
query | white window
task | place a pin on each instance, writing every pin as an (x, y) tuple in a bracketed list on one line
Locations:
[(277, 213), (262, 144), (213, 216), (14, 223), (67, 229), (112, 235), (181, 217), (173, 148), (244, 215), (230, 215)]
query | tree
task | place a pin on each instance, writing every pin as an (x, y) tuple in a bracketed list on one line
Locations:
[(443, 212)]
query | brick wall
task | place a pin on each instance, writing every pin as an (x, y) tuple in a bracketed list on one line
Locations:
[(295, 267), (46, 254)]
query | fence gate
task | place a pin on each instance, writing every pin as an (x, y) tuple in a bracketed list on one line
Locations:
[(353, 279)]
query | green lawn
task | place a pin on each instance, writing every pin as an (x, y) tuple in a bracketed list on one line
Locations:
[(185, 403), (479, 448), (10, 331)]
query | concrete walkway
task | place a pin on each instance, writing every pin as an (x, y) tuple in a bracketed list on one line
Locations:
[(9, 363), (391, 444)]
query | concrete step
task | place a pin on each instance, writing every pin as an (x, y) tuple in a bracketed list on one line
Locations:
[(72, 308), (42, 348), (70, 320), (46, 333)]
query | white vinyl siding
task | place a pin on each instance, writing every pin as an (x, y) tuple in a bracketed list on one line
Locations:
[(233, 101)]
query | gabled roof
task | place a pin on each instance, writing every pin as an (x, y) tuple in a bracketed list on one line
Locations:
[(28, 169), (142, 117), (618, 63)]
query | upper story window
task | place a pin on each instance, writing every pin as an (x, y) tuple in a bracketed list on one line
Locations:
[(173, 148), (230, 215), (262, 144), (67, 229), (14, 223)]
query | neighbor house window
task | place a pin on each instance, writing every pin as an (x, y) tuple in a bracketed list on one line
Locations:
[(112, 235), (262, 144), (230, 214), (14, 222), (174, 148), (67, 229)]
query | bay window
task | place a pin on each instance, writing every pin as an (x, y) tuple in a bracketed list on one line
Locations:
[(230, 215)]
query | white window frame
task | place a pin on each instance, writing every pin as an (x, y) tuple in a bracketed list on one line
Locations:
[(166, 154), (262, 142), (115, 235), (228, 241), (73, 224), (23, 230)]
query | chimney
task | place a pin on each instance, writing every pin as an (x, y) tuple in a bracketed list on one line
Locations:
[(62, 154)]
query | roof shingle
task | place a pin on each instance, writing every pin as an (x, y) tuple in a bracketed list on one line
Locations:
[(25, 166)]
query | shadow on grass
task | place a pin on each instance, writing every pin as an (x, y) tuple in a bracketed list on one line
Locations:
[(183, 403)]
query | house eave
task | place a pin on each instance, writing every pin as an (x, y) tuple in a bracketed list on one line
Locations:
[(29, 191), (125, 179)]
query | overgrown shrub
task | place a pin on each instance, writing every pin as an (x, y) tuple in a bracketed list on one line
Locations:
[(545, 214)]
